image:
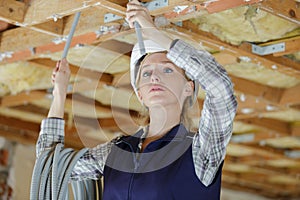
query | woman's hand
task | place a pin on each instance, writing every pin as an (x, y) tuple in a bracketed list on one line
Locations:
[(60, 78), (140, 14)]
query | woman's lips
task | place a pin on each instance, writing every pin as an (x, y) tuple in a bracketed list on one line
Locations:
[(156, 88)]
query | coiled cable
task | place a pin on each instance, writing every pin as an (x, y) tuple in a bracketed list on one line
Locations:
[(51, 176)]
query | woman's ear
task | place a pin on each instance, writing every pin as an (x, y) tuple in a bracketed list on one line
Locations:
[(189, 88)]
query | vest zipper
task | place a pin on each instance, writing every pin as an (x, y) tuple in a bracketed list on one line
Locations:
[(136, 165)]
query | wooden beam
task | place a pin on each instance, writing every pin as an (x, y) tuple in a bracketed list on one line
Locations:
[(23, 137), (218, 6), (284, 61), (255, 137), (31, 137), (215, 43), (292, 45), (274, 124), (287, 9), (43, 46), (41, 11), (279, 59), (27, 37), (22, 39), (192, 8), (113, 7), (234, 153), (12, 11), (236, 182), (54, 28), (76, 71), (19, 124), (22, 98), (27, 132), (291, 95), (257, 104), (256, 89), (117, 46)]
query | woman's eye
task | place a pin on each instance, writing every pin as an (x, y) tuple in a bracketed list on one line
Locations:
[(168, 70), (146, 74)]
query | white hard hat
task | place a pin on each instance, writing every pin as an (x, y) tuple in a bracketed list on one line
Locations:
[(135, 59)]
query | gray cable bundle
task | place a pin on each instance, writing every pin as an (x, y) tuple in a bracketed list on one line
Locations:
[(51, 175)]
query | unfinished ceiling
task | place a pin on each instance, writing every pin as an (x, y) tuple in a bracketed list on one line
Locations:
[(257, 41)]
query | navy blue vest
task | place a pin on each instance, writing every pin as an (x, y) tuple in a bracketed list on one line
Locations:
[(165, 170)]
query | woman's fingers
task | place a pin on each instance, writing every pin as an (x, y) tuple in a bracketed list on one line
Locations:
[(135, 10), (61, 71), (64, 65)]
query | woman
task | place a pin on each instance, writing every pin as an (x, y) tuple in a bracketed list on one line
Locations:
[(163, 160)]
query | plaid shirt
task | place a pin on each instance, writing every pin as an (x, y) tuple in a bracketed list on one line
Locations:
[(215, 126)]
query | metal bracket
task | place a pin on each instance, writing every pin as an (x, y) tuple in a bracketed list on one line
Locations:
[(269, 49), (179, 23), (152, 5), (109, 17)]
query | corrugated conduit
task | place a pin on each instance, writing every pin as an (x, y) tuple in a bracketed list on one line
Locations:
[(51, 174)]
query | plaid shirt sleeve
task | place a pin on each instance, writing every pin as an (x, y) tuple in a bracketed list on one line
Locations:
[(89, 166), (216, 122)]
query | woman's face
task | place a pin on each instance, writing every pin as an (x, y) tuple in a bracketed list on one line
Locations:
[(161, 82)]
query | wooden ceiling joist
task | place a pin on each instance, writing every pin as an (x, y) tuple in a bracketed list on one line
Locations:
[(276, 125), (23, 137), (280, 96), (38, 13), (292, 45), (214, 43), (12, 11), (261, 188), (54, 28), (287, 9), (22, 98), (218, 6), (47, 47), (76, 71), (19, 124), (290, 95)]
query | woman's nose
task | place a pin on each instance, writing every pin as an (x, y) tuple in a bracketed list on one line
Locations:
[(155, 77)]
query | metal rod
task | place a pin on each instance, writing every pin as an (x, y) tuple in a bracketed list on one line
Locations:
[(70, 36), (138, 31)]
